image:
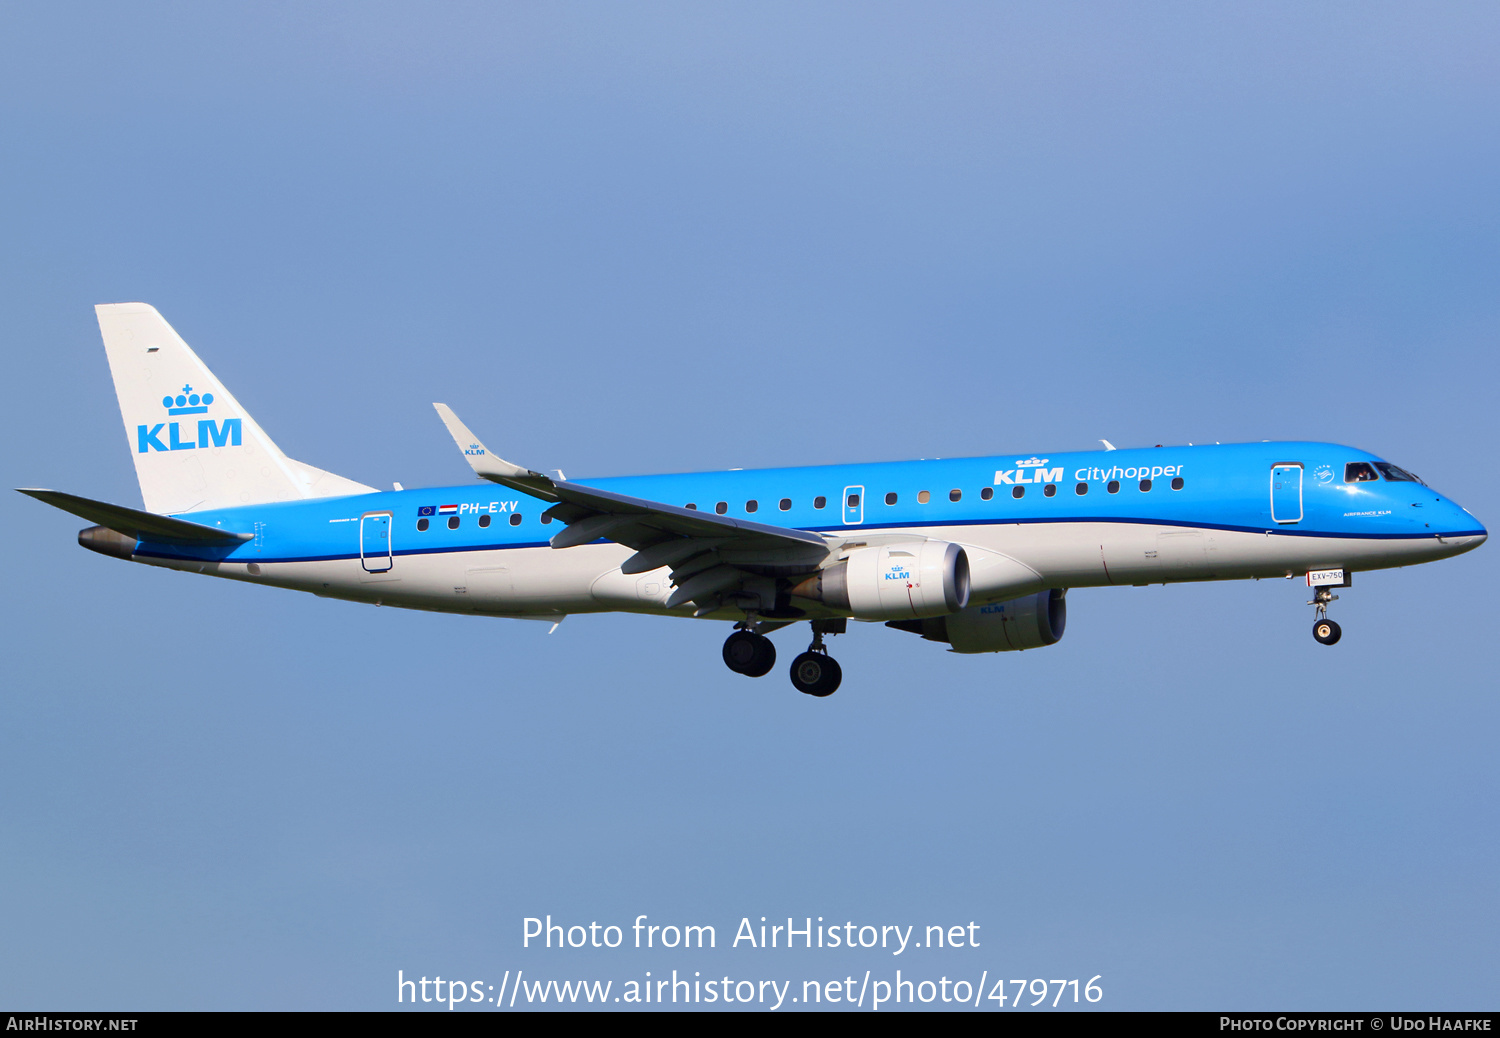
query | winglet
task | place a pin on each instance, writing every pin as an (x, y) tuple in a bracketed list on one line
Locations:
[(489, 466), (475, 453)]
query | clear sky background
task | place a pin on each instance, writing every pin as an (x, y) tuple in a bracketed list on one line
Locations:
[(644, 238)]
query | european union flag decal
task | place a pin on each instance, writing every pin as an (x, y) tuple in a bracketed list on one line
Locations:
[(426, 510)]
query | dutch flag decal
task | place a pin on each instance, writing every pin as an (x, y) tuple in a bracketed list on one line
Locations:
[(447, 509)]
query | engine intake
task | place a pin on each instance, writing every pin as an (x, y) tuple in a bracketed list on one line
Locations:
[(904, 581), (1022, 623)]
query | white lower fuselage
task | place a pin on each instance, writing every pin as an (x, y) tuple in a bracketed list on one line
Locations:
[(1006, 561)]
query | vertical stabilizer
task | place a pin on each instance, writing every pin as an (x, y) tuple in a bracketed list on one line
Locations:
[(194, 446)]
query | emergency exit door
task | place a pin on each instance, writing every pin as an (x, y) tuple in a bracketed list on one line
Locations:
[(854, 505), (1286, 492)]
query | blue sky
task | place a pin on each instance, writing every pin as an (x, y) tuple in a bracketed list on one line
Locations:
[(624, 239)]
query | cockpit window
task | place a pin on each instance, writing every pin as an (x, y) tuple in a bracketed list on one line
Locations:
[(1359, 472), (1396, 474)]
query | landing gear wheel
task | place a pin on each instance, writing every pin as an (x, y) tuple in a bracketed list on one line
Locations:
[(1327, 632), (749, 654), (816, 674)]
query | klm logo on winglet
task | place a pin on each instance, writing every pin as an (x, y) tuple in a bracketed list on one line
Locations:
[(209, 433), (474, 449)]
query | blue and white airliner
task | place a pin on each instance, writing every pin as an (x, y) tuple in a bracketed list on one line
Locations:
[(975, 553)]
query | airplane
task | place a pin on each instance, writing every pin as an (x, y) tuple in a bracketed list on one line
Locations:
[(977, 554)]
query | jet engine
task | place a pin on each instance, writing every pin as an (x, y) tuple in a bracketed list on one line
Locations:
[(903, 581), (1022, 623)]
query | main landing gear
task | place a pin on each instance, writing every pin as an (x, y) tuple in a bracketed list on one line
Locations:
[(750, 654), (1325, 630), (814, 672)]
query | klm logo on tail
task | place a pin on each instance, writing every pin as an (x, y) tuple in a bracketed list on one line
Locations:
[(210, 433)]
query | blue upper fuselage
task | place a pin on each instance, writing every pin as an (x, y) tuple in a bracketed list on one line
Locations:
[(1299, 489)]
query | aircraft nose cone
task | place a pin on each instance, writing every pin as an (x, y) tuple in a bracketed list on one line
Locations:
[(1461, 529)]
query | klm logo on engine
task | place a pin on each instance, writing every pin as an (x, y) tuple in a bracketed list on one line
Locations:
[(208, 433), (1041, 474)]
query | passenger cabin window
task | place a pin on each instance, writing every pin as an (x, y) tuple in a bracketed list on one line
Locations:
[(987, 493), (1145, 486), (1114, 486), (690, 507), (1081, 489), (422, 525), (484, 520), (1050, 490), (923, 497), (853, 501), (752, 506), (955, 495), (1396, 474), (515, 518), (786, 504), (890, 498), (1018, 492), (820, 502), (453, 522), (1177, 483), (546, 518), (721, 507), (1359, 472)]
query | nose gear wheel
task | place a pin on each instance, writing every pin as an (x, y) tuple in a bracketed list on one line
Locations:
[(1325, 630)]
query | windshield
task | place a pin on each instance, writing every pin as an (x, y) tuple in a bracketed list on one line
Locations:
[(1396, 474)]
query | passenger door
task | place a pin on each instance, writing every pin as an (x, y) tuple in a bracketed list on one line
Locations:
[(1286, 492)]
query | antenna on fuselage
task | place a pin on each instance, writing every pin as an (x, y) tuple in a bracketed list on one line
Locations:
[(1108, 446)]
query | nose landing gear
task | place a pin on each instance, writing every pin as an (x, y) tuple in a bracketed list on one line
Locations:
[(1325, 630)]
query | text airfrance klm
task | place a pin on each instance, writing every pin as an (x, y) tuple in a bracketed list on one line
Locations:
[(210, 434)]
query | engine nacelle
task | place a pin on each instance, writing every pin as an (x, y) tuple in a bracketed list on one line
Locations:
[(1022, 623), (904, 581)]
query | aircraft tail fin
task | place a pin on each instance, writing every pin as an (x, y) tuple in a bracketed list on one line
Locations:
[(194, 446)]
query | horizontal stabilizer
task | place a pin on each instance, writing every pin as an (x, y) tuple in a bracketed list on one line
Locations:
[(143, 526)]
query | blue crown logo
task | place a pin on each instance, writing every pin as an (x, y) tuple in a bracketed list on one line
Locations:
[(187, 402)]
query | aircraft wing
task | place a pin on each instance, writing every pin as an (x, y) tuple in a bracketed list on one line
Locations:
[(713, 558), (143, 526)]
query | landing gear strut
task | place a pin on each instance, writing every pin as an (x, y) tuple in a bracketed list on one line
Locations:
[(815, 672), (1325, 630)]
